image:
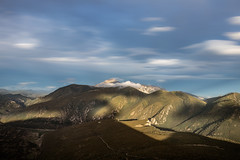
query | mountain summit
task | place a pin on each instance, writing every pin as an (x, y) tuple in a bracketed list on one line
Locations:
[(113, 82)]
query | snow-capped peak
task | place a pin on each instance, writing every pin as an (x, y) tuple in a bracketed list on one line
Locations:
[(113, 82)]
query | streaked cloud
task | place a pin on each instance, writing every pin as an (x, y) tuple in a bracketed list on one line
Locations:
[(155, 30), (164, 62), (220, 47), (233, 35), (50, 87), (26, 83), (60, 59), (152, 19), (76, 60), (165, 77), (25, 45), (234, 20)]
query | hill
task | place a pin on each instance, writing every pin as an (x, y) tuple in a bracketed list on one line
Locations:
[(110, 139), (12, 102), (176, 110), (220, 118)]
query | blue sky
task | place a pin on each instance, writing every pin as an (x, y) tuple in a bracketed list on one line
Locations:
[(188, 45)]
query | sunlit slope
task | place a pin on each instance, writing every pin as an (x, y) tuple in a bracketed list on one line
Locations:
[(220, 118), (176, 110), (83, 103), (164, 108), (77, 103)]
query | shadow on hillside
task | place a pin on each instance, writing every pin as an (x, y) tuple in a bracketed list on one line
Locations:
[(39, 123), (110, 139)]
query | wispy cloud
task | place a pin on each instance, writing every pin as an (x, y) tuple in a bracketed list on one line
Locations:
[(128, 65), (25, 45), (60, 59), (23, 86), (220, 47), (234, 20), (75, 60), (29, 87), (164, 62), (26, 83), (152, 19), (233, 35), (165, 77), (155, 30), (50, 87)]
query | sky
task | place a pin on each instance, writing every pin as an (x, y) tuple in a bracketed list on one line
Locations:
[(187, 45)]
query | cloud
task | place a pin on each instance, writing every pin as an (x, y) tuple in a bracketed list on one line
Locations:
[(50, 87), (60, 59), (220, 47), (165, 77), (234, 20), (164, 62), (26, 83), (22, 86), (25, 45), (155, 30), (48, 35), (128, 65), (151, 19), (76, 60), (233, 35)]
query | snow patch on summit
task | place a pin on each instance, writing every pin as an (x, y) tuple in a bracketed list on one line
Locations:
[(113, 82)]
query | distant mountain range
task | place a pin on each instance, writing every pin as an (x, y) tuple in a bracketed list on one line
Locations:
[(27, 93), (217, 117)]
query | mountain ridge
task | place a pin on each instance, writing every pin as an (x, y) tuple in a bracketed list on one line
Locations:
[(176, 110)]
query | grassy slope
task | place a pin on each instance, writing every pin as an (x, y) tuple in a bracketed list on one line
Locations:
[(220, 118), (110, 139), (175, 110)]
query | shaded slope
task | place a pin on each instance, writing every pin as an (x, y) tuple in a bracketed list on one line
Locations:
[(109, 139), (18, 143)]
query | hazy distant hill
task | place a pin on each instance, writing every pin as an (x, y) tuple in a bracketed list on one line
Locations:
[(26, 93), (11, 102)]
